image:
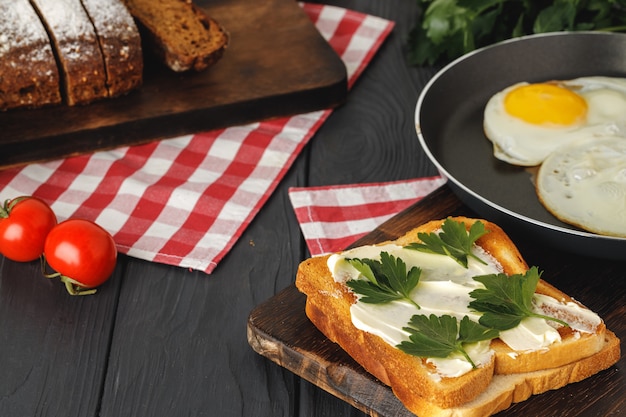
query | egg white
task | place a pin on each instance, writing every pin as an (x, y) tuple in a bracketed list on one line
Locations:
[(584, 184), (521, 143)]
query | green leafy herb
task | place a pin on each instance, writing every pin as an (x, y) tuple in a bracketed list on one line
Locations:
[(506, 300), (387, 279), (448, 29), (439, 336), (454, 241)]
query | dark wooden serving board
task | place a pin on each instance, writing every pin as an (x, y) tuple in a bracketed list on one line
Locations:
[(277, 64), (279, 329)]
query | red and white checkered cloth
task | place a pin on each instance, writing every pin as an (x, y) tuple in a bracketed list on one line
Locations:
[(333, 217), (185, 201)]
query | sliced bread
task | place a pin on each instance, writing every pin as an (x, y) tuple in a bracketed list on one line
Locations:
[(28, 70), (414, 381), (180, 33), (120, 44), (78, 52)]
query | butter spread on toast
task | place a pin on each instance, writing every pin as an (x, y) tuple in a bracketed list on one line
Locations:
[(444, 289)]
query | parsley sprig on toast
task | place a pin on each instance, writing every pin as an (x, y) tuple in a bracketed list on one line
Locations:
[(507, 300), (504, 301), (387, 280), (439, 336), (453, 240)]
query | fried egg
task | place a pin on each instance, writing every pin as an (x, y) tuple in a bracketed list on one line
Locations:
[(526, 122), (584, 184)]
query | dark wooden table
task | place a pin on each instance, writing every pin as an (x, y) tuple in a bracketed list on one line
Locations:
[(164, 341)]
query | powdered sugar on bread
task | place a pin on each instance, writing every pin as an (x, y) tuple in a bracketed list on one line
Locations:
[(120, 43), (78, 51), (29, 72)]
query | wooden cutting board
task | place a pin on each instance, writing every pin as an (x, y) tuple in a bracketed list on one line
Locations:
[(279, 330), (277, 64)]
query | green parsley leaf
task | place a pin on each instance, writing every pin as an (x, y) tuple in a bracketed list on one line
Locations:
[(439, 336), (448, 29), (555, 17), (453, 241), (507, 300), (386, 280), (472, 332)]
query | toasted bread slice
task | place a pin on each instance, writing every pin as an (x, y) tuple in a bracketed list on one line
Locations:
[(573, 345), (505, 390), (393, 367), (329, 303)]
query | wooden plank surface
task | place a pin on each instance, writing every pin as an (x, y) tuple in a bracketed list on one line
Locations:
[(277, 64), (54, 348), (279, 330), (179, 345)]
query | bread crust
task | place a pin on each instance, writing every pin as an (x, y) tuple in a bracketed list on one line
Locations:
[(328, 307), (505, 390), (393, 367)]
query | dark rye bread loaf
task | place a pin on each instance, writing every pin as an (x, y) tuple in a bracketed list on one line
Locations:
[(181, 35), (79, 51), (66, 50), (120, 44), (28, 71)]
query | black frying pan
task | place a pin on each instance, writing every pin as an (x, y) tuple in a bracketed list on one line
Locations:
[(449, 118)]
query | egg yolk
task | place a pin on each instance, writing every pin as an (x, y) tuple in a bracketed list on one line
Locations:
[(542, 104)]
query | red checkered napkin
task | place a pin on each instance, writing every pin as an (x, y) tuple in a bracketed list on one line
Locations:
[(332, 218), (185, 201)]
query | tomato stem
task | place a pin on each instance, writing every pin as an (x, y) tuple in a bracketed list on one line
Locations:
[(4, 209), (70, 285), (74, 289), (42, 260)]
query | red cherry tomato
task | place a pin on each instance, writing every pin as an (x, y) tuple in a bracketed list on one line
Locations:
[(82, 253), (24, 225)]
